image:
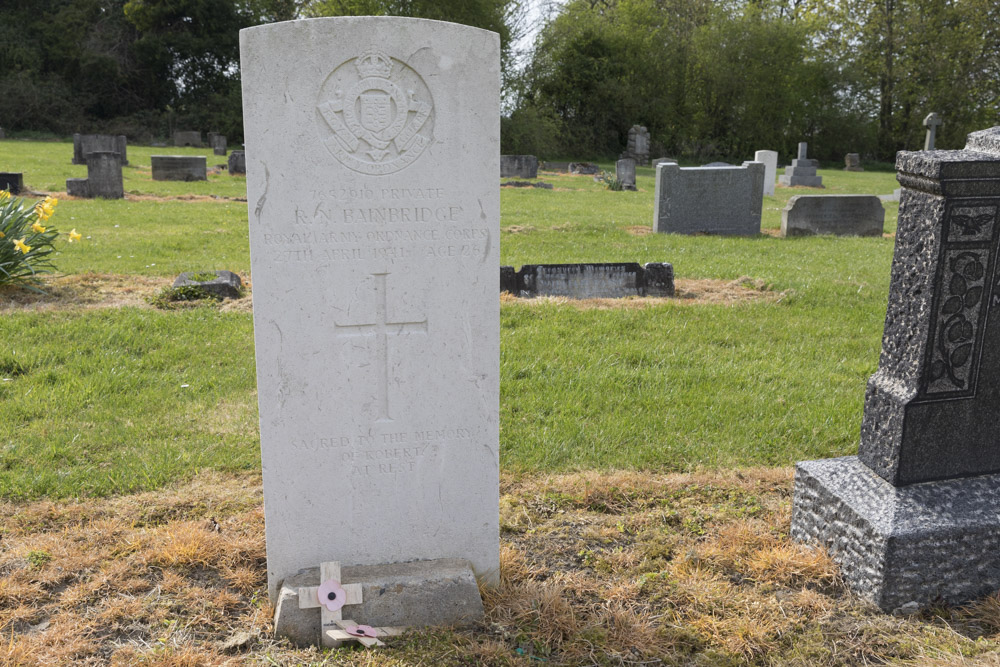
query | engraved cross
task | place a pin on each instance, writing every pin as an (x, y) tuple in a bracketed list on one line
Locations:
[(381, 329)]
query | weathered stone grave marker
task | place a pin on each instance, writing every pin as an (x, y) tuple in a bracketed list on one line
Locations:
[(852, 162), (518, 166), (638, 145), (85, 144), (802, 172), (840, 215), (179, 167), (931, 122), (237, 163), (625, 173), (104, 177), (914, 518), (711, 200), (374, 233)]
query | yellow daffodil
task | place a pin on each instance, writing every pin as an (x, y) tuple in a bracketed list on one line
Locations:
[(73, 236), (19, 244), (43, 210), (51, 201), (4, 195), (37, 228), (2, 235)]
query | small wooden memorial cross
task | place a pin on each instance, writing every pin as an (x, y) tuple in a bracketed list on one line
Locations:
[(331, 597)]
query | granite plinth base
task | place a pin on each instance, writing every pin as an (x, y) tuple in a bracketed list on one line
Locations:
[(438, 592), (924, 543)]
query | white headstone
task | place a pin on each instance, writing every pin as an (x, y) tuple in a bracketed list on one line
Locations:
[(372, 150), (770, 160)]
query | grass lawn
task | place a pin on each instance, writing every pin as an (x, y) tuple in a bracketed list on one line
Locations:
[(645, 444), (98, 406)]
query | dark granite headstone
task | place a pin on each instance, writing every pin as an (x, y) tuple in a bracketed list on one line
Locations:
[(589, 281), (218, 143), (12, 182), (508, 279), (179, 167), (237, 162), (915, 517), (85, 144), (104, 177)]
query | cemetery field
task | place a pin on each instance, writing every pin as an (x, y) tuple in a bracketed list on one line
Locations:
[(646, 445), (760, 360)]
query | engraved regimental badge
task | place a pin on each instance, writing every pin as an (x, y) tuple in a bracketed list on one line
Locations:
[(375, 113)]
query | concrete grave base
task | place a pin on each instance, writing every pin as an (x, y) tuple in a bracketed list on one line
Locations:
[(417, 594), (923, 543)]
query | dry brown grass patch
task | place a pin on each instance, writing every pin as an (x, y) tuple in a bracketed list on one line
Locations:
[(86, 291), (639, 230), (615, 568)]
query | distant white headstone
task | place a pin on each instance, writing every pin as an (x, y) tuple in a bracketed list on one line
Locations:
[(770, 161), (372, 150)]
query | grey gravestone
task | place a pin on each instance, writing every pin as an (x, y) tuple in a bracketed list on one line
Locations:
[(638, 145), (852, 162), (179, 168), (663, 160), (84, 144), (931, 122), (625, 173), (218, 144), (802, 173), (226, 284), (187, 138), (104, 177), (3, 134), (590, 281), (840, 215), (12, 182), (914, 519), (518, 166), (237, 163), (713, 200), (717, 164)]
